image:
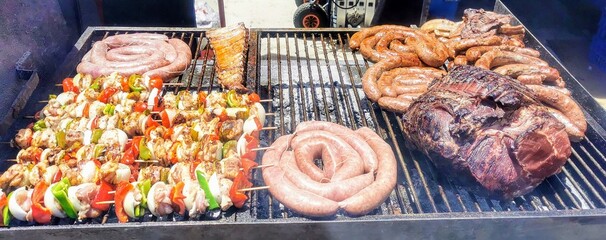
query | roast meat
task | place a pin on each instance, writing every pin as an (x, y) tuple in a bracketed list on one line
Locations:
[(487, 131)]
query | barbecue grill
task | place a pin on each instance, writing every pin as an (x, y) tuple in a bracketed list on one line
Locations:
[(312, 75)]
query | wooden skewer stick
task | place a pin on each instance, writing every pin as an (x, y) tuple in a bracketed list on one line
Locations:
[(253, 189), (260, 166), (262, 148), (10, 160), (43, 101), (58, 85), (269, 128), (266, 100), (146, 161), (270, 114), (173, 84), (111, 192), (106, 202), (29, 117)]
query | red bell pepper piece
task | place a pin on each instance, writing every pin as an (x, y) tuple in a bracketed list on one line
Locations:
[(237, 197), (102, 196), (106, 94), (40, 213), (121, 191), (176, 197), (68, 85)]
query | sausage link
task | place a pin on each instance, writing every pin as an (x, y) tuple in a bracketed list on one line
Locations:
[(430, 51), (474, 53), (507, 29), (355, 141), (370, 77), (357, 38), (460, 60), (385, 181), (336, 191), (575, 134), (495, 58), (394, 104), (464, 44), (565, 104), (341, 160), (175, 68), (531, 79), (400, 47), (514, 70), (286, 192)]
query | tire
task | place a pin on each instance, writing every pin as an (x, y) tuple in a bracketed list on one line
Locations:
[(310, 15), (300, 2)]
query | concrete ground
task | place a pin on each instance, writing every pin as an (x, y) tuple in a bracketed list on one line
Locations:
[(259, 14)]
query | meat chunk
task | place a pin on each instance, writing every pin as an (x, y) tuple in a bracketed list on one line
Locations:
[(230, 45), (487, 132)]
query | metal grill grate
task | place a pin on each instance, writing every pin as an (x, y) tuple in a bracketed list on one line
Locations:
[(314, 76)]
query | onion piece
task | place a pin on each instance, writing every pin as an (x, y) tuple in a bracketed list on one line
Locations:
[(20, 203), (51, 203), (122, 173), (151, 102), (260, 112), (130, 203)]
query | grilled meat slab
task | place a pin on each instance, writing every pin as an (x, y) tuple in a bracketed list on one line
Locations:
[(488, 132), (230, 45)]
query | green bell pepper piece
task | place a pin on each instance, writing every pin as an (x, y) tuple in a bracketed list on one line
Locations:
[(39, 125), (98, 151), (52, 96), (212, 203), (132, 83), (144, 188), (109, 109), (96, 135), (230, 145), (60, 137), (59, 190), (233, 100), (6, 214), (144, 152)]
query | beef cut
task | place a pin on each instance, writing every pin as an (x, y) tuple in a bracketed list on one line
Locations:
[(487, 131)]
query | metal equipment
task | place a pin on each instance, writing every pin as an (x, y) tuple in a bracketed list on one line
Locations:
[(335, 13)]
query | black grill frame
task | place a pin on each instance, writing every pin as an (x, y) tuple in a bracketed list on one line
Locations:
[(411, 209)]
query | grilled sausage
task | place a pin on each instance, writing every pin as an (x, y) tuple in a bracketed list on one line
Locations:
[(397, 105), (460, 60), (340, 160), (438, 24), (400, 47), (566, 105), (367, 50), (432, 52), (464, 44), (574, 132), (385, 181), (283, 189), (176, 67), (357, 142), (531, 79), (474, 53), (547, 73), (384, 42), (507, 29), (101, 48), (357, 38), (335, 190), (495, 58), (370, 77)]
